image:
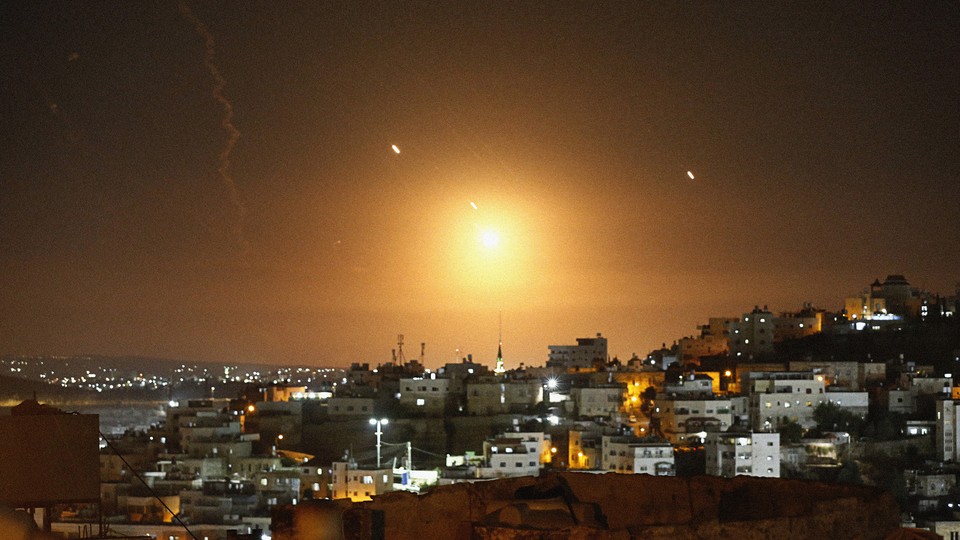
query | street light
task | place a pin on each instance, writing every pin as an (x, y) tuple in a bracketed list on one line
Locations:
[(276, 443), (379, 422)]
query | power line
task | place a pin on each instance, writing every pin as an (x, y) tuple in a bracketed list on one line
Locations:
[(175, 515)]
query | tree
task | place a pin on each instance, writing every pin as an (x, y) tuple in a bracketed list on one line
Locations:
[(832, 417), (790, 431)]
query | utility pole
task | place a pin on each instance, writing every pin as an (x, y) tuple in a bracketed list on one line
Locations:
[(379, 422)]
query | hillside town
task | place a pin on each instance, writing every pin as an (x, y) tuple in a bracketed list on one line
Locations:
[(794, 395)]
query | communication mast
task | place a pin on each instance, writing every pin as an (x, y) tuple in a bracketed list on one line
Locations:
[(400, 360)]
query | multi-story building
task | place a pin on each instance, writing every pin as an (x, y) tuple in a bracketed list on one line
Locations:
[(753, 334), (598, 401), (508, 456), (797, 325), (278, 487), (778, 395), (854, 376), (947, 430), (692, 385), (537, 443), (633, 455), (897, 401), (692, 348), (894, 296), (588, 353), (348, 481), (350, 407), (429, 395), (489, 395), (688, 420), (583, 448), (752, 454), (219, 501)]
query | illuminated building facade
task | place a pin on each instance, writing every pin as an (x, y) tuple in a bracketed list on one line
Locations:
[(632, 455), (750, 454)]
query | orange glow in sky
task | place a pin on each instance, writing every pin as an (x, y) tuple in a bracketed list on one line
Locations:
[(544, 152)]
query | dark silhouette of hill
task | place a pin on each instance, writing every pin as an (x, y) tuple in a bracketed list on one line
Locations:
[(16, 389), (935, 342)]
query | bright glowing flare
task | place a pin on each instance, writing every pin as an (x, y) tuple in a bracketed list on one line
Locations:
[(490, 239), (690, 174), (395, 149)]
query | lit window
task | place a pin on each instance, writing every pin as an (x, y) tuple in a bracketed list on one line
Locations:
[(421, 402)]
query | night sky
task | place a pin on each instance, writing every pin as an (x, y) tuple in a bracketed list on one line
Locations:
[(216, 181)]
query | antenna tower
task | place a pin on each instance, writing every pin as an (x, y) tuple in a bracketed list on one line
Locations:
[(400, 359)]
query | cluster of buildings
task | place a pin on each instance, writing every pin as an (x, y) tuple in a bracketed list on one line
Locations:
[(220, 466)]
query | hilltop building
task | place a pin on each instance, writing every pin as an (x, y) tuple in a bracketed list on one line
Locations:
[(588, 353), (892, 299)]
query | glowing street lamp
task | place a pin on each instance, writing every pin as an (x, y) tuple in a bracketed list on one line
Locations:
[(379, 422), (276, 443)]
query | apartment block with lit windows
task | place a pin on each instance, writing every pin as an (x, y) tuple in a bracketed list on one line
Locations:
[(348, 481), (750, 454), (688, 420), (632, 455)]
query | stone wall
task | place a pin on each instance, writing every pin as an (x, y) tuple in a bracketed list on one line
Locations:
[(609, 506)]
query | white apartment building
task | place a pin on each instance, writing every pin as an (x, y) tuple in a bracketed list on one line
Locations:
[(683, 420), (947, 430), (750, 454), (508, 456), (778, 395), (794, 396), (631, 455), (537, 443)]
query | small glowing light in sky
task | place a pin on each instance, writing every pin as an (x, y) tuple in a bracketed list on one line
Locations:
[(395, 149), (490, 239), (473, 204), (689, 173)]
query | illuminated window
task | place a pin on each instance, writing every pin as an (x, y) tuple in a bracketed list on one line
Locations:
[(421, 402)]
